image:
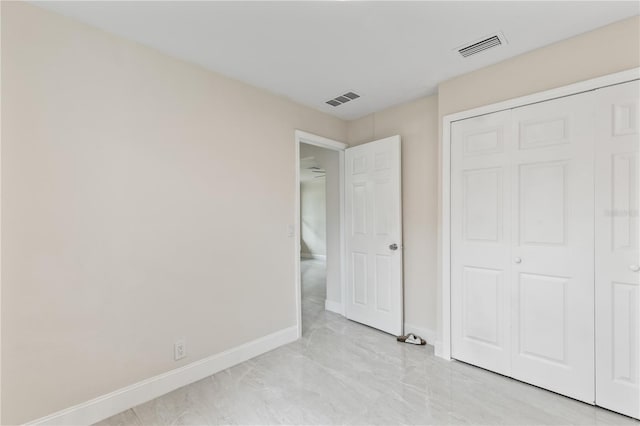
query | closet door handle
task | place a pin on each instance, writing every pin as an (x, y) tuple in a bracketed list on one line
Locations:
[(634, 268), (517, 260)]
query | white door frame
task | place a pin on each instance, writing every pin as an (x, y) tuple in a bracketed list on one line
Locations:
[(443, 347), (322, 142)]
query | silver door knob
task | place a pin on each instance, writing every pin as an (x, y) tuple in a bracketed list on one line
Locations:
[(517, 260), (393, 247), (634, 268)]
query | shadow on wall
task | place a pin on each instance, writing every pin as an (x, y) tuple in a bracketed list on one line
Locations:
[(313, 218), (303, 246)]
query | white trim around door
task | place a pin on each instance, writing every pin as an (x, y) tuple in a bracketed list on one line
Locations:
[(322, 142), (443, 347)]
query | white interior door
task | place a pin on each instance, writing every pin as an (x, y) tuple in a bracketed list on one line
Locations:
[(522, 244), (552, 278), (617, 257), (373, 212), (481, 239)]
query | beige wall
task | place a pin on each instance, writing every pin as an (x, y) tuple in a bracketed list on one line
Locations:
[(606, 50), (416, 123), (131, 183)]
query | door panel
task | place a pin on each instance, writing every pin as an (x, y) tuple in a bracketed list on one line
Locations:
[(374, 205), (549, 131), (625, 317), (543, 317), (617, 256), (552, 332), (359, 209), (481, 300), (480, 241), (624, 191), (382, 216), (383, 283), (543, 203), (359, 278), (482, 199)]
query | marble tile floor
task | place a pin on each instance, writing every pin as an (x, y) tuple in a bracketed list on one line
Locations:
[(344, 373)]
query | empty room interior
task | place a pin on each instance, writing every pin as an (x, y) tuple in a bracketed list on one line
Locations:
[(328, 213)]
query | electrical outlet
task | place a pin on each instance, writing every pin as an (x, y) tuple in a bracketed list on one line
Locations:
[(179, 349)]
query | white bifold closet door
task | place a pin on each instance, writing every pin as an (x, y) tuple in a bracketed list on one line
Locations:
[(481, 241), (522, 284), (552, 277), (617, 266)]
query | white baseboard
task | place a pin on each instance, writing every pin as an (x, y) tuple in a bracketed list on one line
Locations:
[(120, 400), (332, 306), (427, 334), (313, 256)]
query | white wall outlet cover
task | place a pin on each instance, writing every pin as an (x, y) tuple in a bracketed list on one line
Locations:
[(179, 349)]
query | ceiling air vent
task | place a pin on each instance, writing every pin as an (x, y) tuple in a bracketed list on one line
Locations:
[(482, 45), (342, 99)]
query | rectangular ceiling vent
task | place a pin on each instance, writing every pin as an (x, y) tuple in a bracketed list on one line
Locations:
[(482, 45), (343, 99)]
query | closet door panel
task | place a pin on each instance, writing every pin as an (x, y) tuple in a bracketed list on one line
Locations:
[(617, 256), (480, 241), (551, 279)]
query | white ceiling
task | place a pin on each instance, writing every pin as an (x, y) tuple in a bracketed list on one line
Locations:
[(388, 52)]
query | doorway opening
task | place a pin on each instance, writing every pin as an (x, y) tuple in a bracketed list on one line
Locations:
[(319, 231), (363, 234), (319, 250)]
